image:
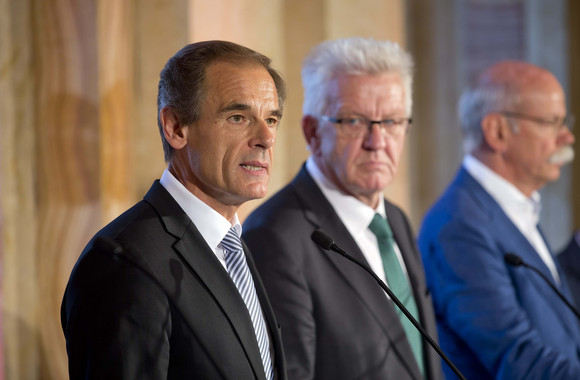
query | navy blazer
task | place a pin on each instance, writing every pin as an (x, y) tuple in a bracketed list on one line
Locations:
[(162, 306), (337, 323), (569, 260), (494, 321)]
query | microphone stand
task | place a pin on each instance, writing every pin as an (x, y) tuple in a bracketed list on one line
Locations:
[(516, 261), (325, 242)]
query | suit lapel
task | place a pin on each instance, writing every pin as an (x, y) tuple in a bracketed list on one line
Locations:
[(321, 214), (513, 241), (193, 249)]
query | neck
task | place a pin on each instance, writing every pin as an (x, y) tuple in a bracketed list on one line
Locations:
[(496, 162), (185, 177)]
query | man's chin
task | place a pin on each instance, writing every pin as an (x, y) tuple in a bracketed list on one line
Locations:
[(552, 175), (256, 192)]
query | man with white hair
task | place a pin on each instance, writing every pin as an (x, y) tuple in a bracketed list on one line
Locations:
[(336, 322), (496, 320)]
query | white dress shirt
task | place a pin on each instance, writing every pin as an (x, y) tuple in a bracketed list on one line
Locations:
[(524, 212), (212, 226), (356, 216)]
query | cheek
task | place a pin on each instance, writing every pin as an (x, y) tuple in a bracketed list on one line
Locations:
[(537, 154), (217, 159), (271, 157), (345, 154), (395, 148), (328, 149)]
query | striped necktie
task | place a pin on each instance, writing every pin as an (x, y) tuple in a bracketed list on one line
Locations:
[(238, 270), (398, 283)]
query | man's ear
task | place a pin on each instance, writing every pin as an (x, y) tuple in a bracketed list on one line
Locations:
[(175, 133), (310, 130), (496, 132)]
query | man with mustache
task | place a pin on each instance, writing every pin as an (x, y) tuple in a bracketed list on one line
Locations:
[(336, 322), (496, 321), (167, 290)]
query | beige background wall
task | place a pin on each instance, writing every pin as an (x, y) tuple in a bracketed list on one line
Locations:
[(79, 140)]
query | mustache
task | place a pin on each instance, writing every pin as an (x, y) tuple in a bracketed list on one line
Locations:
[(564, 155)]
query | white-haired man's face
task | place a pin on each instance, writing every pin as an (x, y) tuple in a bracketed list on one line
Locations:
[(361, 165)]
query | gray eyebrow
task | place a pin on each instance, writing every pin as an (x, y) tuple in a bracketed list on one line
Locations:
[(245, 107)]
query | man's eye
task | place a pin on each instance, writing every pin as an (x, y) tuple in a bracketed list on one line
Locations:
[(271, 121), (354, 122), (390, 122), (237, 118)]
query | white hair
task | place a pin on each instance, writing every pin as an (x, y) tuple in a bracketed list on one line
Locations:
[(354, 56), (478, 101)]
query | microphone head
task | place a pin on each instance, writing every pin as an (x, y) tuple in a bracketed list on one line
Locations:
[(513, 260), (322, 239)]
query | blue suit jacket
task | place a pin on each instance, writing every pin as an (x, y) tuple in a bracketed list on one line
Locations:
[(569, 260), (494, 321)]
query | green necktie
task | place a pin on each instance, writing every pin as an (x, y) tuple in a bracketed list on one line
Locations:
[(398, 283)]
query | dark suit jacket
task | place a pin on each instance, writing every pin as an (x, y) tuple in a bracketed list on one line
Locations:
[(336, 321), (495, 321), (159, 305)]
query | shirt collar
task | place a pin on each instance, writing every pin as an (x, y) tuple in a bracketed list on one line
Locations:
[(522, 210), (355, 214), (212, 226)]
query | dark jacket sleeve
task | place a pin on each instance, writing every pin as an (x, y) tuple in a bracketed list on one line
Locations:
[(111, 315)]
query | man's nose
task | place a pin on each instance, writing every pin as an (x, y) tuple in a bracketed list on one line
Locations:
[(375, 138), (264, 135)]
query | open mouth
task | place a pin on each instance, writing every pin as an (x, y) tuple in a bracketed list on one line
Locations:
[(252, 167)]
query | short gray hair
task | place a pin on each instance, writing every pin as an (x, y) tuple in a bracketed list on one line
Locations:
[(356, 56), (478, 101)]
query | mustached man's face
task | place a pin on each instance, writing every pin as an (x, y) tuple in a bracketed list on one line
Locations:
[(538, 150)]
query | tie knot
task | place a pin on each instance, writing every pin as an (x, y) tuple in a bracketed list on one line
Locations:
[(380, 227), (231, 242)]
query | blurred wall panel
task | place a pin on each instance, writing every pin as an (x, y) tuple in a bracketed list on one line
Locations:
[(67, 188), (18, 223), (161, 28)]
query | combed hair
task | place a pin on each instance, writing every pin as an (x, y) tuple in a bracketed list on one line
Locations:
[(351, 56), (475, 103), (181, 83)]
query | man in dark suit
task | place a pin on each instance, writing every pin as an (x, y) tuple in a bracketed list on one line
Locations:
[(167, 290), (497, 321), (337, 323)]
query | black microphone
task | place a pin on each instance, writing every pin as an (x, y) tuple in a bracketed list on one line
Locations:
[(516, 261), (326, 242)]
